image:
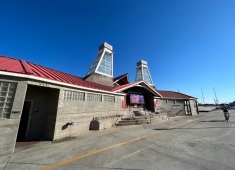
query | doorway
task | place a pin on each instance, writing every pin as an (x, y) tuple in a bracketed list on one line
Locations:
[(39, 112), (24, 121), (149, 102)]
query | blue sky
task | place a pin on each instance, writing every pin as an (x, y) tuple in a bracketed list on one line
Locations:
[(189, 44)]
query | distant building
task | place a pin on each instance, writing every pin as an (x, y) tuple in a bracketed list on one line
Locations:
[(40, 103)]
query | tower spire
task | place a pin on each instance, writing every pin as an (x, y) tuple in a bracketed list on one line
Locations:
[(143, 73), (103, 63)]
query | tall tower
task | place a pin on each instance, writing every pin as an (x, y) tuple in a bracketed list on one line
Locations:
[(143, 73), (103, 63), (101, 70)]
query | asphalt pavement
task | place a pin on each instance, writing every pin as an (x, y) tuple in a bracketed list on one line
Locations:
[(204, 141)]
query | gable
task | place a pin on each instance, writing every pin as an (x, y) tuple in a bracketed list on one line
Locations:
[(141, 84)]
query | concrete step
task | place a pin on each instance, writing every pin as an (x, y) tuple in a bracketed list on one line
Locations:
[(127, 118), (139, 113), (136, 117), (126, 121), (132, 122), (141, 117), (126, 124)]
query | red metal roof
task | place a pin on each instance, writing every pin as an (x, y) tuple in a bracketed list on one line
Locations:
[(121, 77), (23, 67), (13, 65), (174, 95), (122, 87)]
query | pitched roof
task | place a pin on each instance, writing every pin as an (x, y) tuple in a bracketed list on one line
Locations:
[(174, 95), (129, 85), (13, 65), (121, 80), (122, 87), (27, 68), (120, 77)]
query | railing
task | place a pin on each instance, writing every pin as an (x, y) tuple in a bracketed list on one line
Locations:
[(150, 116)]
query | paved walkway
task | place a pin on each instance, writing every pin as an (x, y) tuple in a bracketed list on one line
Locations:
[(204, 141)]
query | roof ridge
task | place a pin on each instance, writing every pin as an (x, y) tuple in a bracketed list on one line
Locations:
[(53, 69), (75, 76), (28, 68), (177, 93), (121, 75), (9, 57), (25, 66)]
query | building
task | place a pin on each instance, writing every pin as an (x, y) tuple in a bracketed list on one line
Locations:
[(40, 103)]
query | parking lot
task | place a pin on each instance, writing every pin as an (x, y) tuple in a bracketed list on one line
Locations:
[(204, 141)]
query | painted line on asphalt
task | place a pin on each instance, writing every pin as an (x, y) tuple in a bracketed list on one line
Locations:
[(100, 150), (226, 134), (130, 154)]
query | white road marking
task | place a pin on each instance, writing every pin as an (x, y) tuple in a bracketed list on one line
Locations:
[(128, 155)]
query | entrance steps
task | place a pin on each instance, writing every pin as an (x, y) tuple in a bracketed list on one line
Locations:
[(135, 120)]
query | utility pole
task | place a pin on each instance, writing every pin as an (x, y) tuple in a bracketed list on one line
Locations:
[(203, 96), (216, 100)]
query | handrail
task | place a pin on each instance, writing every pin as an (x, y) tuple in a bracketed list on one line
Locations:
[(150, 116)]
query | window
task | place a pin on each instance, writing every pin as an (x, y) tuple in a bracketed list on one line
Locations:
[(73, 95), (106, 66), (179, 101), (94, 97), (7, 93), (108, 98), (94, 64), (138, 74), (147, 77)]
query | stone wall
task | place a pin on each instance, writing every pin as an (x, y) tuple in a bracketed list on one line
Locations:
[(43, 112), (74, 117), (101, 79), (170, 107), (9, 127)]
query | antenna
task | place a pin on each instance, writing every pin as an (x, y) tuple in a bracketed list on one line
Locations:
[(203, 96), (216, 100)]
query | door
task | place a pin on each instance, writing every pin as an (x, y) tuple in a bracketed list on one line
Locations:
[(24, 121)]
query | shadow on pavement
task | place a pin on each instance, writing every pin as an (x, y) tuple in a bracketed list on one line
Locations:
[(219, 127), (212, 121)]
